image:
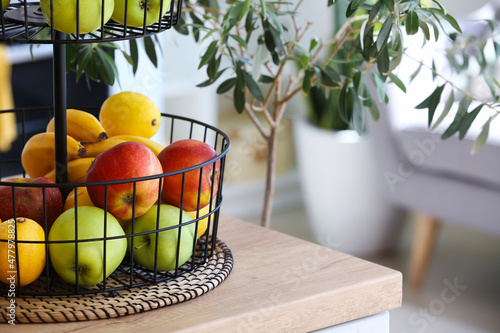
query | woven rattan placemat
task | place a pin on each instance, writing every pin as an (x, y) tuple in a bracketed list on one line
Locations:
[(46, 309)]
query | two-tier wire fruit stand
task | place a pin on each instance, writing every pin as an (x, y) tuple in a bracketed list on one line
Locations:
[(130, 288)]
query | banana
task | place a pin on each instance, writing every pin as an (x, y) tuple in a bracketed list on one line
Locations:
[(77, 170), (38, 155), (153, 145), (94, 149), (82, 126)]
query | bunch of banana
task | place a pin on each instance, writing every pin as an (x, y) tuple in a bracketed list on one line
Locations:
[(153, 145), (38, 155), (77, 170), (82, 126), (94, 149)]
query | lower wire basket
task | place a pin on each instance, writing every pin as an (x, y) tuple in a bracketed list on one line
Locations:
[(189, 285)]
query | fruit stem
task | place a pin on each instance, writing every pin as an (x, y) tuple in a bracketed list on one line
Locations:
[(141, 245)]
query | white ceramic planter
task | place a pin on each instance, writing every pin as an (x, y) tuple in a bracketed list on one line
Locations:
[(341, 191)]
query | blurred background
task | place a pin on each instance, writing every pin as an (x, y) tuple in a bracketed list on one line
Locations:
[(373, 225)]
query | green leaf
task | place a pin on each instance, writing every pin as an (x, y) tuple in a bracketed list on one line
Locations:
[(455, 124), (481, 59), (353, 7), (151, 50), (246, 7), (491, 86), (412, 22), (346, 101), (213, 66), (368, 42), (497, 49), (372, 105), (134, 54), (389, 4), (263, 9), (446, 110), (431, 103), (425, 29), (81, 66), (253, 87), (380, 85), (226, 86), (467, 121), (259, 58), (277, 39), (317, 72), (306, 82), (210, 81), (481, 138), (358, 115), (240, 41), (415, 73), (385, 31), (304, 60), (356, 79), (276, 22), (249, 26), (451, 20), (266, 79), (181, 27), (397, 82), (234, 14), (314, 42), (209, 53), (197, 25), (108, 68), (327, 79), (332, 73), (383, 61), (239, 99)]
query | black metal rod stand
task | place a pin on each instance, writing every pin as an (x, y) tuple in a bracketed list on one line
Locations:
[(60, 100)]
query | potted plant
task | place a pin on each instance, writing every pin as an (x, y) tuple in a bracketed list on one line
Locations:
[(342, 195), (258, 55)]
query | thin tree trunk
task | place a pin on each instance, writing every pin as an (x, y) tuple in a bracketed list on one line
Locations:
[(272, 145)]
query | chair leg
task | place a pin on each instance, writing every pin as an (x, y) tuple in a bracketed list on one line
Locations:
[(424, 239)]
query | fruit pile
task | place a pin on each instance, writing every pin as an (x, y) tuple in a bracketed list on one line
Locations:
[(115, 168), (90, 15)]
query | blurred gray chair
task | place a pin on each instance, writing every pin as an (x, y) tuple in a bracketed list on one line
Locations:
[(438, 180)]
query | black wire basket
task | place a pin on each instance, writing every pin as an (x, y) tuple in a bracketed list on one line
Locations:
[(89, 21), (129, 273)]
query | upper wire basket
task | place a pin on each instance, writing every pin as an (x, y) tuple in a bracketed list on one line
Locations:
[(89, 21), (200, 229)]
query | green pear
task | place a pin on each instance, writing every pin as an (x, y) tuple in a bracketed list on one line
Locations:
[(64, 11), (90, 267), (144, 245), (135, 11)]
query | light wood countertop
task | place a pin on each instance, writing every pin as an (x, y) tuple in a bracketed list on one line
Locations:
[(278, 284)]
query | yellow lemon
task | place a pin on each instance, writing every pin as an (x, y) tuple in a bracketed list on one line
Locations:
[(30, 257), (130, 113)]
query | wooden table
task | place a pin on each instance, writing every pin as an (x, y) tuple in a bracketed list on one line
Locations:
[(278, 284)]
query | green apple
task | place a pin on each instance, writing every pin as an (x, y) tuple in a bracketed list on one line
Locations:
[(144, 245), (90, 254), (90, 14), (5, 3), (135, 11)]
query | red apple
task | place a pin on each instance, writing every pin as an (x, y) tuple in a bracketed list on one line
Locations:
[(29, 201), (125, 161), (183, 154)]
